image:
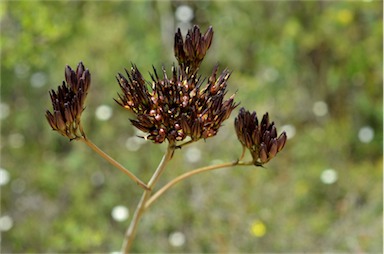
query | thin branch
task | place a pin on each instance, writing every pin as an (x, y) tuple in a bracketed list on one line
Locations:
[(243, 153), (114, 163), (160, 169), (131, 231), (185, 144), (192, 173)]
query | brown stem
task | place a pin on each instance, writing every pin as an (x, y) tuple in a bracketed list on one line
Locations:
[(185, 144), (189, 174), (243, 153), (114, 163), (131, 231)]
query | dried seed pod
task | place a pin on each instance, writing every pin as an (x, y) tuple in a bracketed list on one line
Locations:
[(181, 104), (261, 140), (191, 52), (68, 102)]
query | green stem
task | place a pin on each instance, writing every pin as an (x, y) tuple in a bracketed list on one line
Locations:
[(192, 173), (114, 163), (131, 231)]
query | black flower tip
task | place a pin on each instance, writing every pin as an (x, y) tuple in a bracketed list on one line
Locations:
[(260, 138), (68, 102), (191, 52)]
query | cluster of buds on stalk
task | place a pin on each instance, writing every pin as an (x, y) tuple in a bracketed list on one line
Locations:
[(182, 105), (261, 139), (68, 102), (171, 108), (191, 52)]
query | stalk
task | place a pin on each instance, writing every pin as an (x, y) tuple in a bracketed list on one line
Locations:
[(131, 231), (160, 192), (114, 163)]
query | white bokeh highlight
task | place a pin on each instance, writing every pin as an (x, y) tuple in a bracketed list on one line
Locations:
[(6, 223), (176, 239), (38, 79), (320, 108), (103, 112), (192, 155), (289, 129), (184, 13), (16, 140), (4, 177), (4, 110), (134, 143), (329, 176), (120, 213), (366, 134)]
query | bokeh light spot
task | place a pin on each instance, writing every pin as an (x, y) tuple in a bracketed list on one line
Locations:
[(320, 108), (176, 239), (21, 70), (6, 223), (134, 143), (366, 134), (18, 185), (258, 228), (289, 129), (270, 74), (104, 112), (16, 140), (184, 13), (97, 178), (38, 79), (328, 176), (4, 110), (192, 155), (4, 177), (120, 213)]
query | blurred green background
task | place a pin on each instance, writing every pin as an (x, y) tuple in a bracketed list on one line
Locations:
[(316, 67)]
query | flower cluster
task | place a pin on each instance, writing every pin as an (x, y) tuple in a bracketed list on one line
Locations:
[(171, 108), (68, 102), (261, 139), (191, 53), (181, 105)]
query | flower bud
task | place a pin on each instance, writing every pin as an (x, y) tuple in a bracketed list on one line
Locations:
[(261, 140)]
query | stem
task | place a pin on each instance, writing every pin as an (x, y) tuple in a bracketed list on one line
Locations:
[(189, 174), (160, 168), (243, 153), (131, 231), (184, 144), (114, 163)]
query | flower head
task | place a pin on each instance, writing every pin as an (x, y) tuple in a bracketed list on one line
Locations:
[(191, 52), (176, 107), (68, 102), (179, 106), (261, 139)]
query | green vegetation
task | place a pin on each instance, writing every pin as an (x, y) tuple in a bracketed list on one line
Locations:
[(316, 67)]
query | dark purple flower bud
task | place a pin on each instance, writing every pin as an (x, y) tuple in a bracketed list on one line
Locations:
[(261, 140), (281, 141), (68, 102), (191, 52)]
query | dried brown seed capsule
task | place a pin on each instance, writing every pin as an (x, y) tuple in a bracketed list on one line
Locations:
[(68, 102), (261, 140)]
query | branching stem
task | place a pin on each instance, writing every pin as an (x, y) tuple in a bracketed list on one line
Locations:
[(114, 163), (192, 173), (131, 231), (185, 144)]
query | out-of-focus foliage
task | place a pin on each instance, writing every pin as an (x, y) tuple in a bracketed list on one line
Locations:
[(315, 66)]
